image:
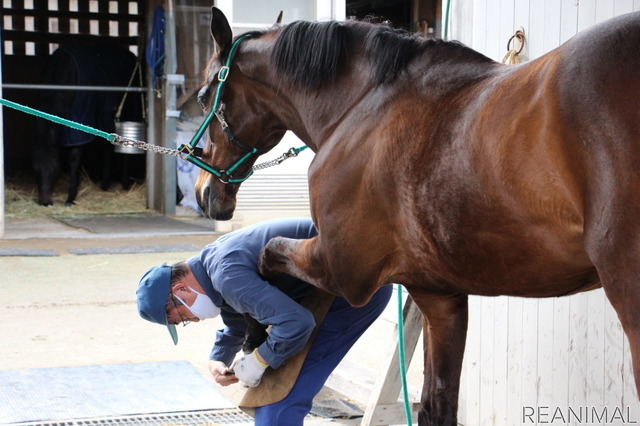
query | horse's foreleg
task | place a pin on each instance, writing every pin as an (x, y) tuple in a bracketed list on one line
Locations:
[(107, 165), (255, 335), (298, 258), (287, 256), (75, 158), (445, 331), (125, 176)]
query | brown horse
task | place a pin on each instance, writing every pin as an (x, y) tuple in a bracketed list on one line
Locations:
[(440, 169)]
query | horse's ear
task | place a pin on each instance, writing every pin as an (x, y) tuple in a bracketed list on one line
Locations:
[(279, 20), (220, 29)]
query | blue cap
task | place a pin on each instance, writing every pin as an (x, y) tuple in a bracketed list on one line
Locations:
[(152, 294)]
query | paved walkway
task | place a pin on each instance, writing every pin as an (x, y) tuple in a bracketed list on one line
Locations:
[(69, 300)]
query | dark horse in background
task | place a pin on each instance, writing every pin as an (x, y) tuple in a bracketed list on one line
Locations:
[(444, 171), (83, 65)]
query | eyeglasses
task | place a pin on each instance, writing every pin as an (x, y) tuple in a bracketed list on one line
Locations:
[(175, 305)]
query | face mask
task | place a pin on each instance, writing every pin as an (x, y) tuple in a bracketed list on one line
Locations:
[(202, 307)]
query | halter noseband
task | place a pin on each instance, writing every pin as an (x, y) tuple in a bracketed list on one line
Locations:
[(192, 153)]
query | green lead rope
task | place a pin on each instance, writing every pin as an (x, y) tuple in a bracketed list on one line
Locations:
[(114, 138), (401, 357), (111, 137)]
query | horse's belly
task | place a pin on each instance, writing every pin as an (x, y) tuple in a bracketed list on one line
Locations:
[(531, 283), (495, 252), (524, 268)]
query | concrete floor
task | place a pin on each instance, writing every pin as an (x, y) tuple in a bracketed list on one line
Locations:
[(68, 309)]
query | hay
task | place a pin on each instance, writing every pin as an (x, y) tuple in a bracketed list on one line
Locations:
[(21, 199)]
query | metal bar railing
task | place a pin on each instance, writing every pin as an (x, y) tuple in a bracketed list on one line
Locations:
[(72, 87)]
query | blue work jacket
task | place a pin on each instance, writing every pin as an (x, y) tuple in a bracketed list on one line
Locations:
[(228, 271)]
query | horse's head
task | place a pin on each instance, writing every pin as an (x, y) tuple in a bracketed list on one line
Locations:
[(239, 126)]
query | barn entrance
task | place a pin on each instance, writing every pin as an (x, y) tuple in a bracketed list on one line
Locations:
[(32, 30)]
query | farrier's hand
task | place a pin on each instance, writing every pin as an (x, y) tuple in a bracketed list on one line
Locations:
[(250, 368), (221, 373)]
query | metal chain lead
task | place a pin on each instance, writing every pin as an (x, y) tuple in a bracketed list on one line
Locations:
[(291, 153), (120, 140)]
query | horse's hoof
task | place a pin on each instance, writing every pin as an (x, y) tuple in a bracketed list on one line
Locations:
[(45, 203), (69, 203)]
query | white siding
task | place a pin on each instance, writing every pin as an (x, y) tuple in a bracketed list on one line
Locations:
[(561, 353), (564, 352)]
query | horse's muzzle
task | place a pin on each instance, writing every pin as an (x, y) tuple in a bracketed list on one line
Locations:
[(215, 207)]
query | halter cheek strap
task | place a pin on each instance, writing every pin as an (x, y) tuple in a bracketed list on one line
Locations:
[(194, 154)]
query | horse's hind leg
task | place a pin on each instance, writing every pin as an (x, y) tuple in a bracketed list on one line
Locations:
[(445, 331), (74, 158), (45, 171), (625, 299), (614, 249), (46, 161), (621, 282)]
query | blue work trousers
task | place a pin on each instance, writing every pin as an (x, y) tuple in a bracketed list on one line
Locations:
[(341, 328)]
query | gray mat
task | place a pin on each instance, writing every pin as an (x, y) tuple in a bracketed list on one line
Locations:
[(144, 223), (171, 248), (333, 405), (61, 393), (27, 252)]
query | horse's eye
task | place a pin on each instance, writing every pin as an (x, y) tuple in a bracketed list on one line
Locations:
[(203, 94)]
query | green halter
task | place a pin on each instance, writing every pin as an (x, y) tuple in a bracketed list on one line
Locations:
[(225, 176)]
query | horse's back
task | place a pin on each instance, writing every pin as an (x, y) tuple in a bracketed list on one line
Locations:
[(578, 107), (599, 67), (599, 98)]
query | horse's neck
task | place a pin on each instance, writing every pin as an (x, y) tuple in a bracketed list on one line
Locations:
[(320, 114), (314, 115), (448, 76), (317, 114)]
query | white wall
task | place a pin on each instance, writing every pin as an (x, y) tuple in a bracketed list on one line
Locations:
[(486, 25), (558, 353)]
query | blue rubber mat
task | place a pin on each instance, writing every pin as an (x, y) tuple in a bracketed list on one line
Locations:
[(46, 394)]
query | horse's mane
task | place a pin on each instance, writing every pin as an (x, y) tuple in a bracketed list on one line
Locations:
[(311, 53)]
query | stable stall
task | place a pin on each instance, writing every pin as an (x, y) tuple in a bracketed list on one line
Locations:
[(172, 42)]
